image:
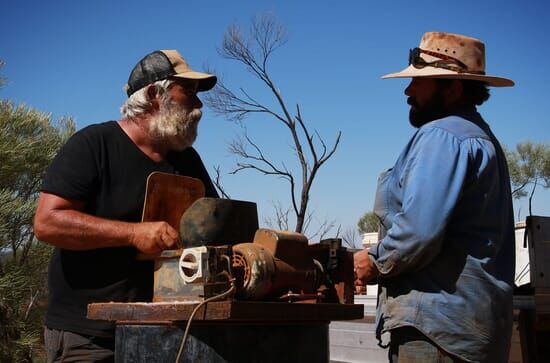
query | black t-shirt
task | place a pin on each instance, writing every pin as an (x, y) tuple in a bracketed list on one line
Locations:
[(101, 165)]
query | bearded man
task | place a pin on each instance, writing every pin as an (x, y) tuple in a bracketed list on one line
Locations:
[(445, 260), (92, 197)]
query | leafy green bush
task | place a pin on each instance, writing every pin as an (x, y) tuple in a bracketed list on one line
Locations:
[(28, 142)]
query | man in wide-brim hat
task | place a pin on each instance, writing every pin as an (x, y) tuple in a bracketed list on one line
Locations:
[(445, 259)]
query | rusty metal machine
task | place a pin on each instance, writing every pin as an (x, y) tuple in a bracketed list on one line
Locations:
[(222, 244), (275, 266), (255, 295)]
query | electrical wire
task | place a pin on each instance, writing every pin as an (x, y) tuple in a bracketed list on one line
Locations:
[(195, 310), (228, 292)]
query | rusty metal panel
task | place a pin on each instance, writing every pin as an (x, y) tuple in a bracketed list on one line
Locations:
[(167, 196), (337, 262), (539, 251), (284, 245)]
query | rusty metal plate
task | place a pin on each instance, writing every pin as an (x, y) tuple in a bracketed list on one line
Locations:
[(167, 196)]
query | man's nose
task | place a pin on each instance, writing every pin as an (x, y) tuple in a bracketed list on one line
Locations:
[(196, 102), (409, 90)]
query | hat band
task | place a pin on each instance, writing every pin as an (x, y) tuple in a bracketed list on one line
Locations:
[(445, 61)]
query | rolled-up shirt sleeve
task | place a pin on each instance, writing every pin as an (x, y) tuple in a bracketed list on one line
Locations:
[(430, 183)]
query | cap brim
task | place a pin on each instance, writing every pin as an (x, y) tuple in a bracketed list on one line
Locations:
[(206, 80), (432, 72)]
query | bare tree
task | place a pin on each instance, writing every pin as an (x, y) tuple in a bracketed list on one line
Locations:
[(253, 49), (351, 238), (281, 218), (218, 183)]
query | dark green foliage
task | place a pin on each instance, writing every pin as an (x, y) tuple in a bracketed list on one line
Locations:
[(529, 166), (22, 305), (28, 142), (368, 223)]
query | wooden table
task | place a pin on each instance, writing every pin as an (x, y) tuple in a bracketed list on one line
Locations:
[(224, 331)]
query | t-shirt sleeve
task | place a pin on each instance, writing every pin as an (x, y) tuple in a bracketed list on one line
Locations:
[(75, 171)]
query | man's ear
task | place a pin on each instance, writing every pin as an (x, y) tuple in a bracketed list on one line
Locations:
[(152, 95), (453, 93)]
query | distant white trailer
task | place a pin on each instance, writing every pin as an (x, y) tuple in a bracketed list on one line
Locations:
[(522, 275)]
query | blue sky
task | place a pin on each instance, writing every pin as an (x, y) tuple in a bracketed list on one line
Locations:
[(72, 58)]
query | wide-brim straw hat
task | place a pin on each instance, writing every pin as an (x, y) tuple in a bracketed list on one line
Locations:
[(446, 55)]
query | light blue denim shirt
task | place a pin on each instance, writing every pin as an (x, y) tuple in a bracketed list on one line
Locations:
[(447, 256)]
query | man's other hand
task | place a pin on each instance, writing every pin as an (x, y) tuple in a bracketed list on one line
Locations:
[(153, 237), (365, 270)]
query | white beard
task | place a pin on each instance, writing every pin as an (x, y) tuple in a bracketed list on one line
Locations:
[(175, 125)]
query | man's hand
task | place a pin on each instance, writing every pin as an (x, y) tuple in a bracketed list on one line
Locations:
[(365, 270), (153, 237)]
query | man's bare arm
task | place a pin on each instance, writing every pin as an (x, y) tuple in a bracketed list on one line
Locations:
[(61, 222)]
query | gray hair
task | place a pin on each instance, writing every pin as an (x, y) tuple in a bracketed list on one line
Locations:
[(138, 103)]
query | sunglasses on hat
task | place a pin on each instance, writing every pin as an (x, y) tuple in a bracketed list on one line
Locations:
[(446, 62)]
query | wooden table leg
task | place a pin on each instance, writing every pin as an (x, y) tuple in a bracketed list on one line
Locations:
[(527, 336)]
